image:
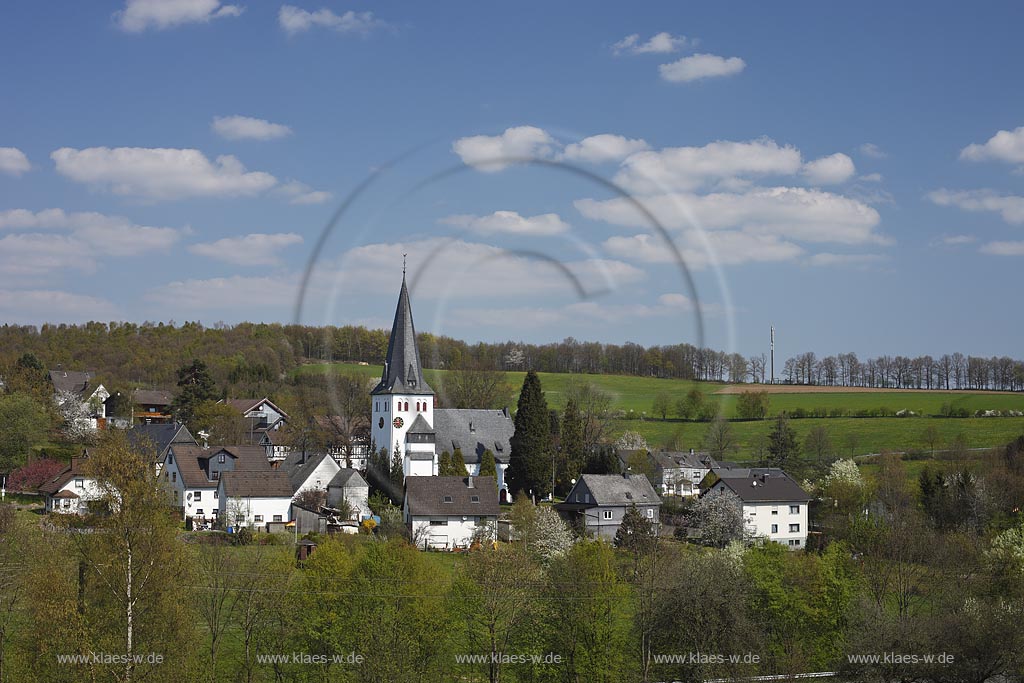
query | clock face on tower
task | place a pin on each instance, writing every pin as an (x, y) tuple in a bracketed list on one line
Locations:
[(380, 423), (398, 422)]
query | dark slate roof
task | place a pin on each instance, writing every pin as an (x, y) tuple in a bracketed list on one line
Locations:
[(686, 459), (244, 405), (69, 380), (152, 397), (420, 426), (766, 488), (297, 470), (618, 489), (474, 431), (189, 461), (426, 496), (348, 478), (403, 371), (242, 484), (746, 472), (155, 439)]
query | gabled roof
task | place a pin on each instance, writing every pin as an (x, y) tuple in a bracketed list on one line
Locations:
[(420, 426), (429, 496), (152, 397), (244, 405), (403, 371), (271, 484), (70, 380), (474, 431), (189, 462), (299, 467), (685, 459), (74, 470), (154, 439), (777, 487), (348, 478), (619, 489)]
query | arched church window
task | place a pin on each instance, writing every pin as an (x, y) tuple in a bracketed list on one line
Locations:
[(407, 405)]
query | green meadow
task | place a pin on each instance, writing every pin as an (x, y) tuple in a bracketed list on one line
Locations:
[(849, 435)]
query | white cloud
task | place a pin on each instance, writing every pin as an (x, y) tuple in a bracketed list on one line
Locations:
[(246, 127), (1011, 208), (687, 168), (790, 212), (1003, 248), (301, 193), (870, 149), (157, 173), (871, 178), (700, 66), (94, 233), (252, 298), (296, 20), (138, 15), (38, 257), (829, 259), (605, 147), (36, 306), (255, 249), (831, 170), (660, 43), (13, 161), (1006, 145), (510, 223), (698, 251), (495, 152)]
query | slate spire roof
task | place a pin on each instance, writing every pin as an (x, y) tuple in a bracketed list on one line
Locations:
[(403, 372)]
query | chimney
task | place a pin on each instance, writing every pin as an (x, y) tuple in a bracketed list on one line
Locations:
[(469, 481), (691, 451), (504, 411), (472, 430), (764, 477)]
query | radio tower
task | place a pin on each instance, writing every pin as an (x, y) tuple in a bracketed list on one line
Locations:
[(772, 381)]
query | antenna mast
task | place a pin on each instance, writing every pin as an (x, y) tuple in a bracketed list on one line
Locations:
[(772, 381)]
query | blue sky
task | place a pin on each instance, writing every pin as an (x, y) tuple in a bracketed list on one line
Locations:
[(851, 173)]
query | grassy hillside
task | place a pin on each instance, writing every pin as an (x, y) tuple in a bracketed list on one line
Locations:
[(849, 435)]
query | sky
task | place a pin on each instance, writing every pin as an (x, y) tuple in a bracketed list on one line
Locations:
[(849, 173)]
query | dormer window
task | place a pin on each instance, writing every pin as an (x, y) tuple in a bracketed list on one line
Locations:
[(474, 499), (220, 458), (170, 458), (447, 499)]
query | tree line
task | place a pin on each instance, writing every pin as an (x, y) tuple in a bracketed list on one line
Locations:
[(248, 354)]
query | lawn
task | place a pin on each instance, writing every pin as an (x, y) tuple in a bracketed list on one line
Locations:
[(849, 435)]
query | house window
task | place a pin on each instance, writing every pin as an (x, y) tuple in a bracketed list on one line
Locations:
[(220, 458), (650, 513), (277, 518), (474, 499), (439, 522), (170, 459), (775, 528), (607, 514), (257, 518), (174, 477), (775, 511), (199, 512), (794, 509), (213, 512), (417, 406), (586, 497), (198, 497), (79, 483), (386, 407), (216, 494), (447, 499), (794, 528), (795, 542), (216, 475), (407, 406), (579, 497)]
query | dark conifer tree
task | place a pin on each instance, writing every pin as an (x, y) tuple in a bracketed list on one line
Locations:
[(530, 460)]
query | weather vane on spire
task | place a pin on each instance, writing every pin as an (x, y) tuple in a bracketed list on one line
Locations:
[(403, 265)]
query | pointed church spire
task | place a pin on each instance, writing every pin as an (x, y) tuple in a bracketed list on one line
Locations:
[(403, 371)]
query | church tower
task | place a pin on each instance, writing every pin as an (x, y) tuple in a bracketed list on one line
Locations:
[(403, 402)]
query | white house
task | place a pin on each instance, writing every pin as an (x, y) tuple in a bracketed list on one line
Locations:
[(89, 395), (449, 512), (193, 473), (348, 486), (254, 499), (774, 506), (306, 471), (71, 491), (262, 416)]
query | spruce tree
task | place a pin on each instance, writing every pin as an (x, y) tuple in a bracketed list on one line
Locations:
[(488, 467), (572, 454), (530, 459), (782, 444), (197, 387), (459, 464), (444, 464)]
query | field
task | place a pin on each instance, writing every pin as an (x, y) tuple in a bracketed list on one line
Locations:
[(849, 435)]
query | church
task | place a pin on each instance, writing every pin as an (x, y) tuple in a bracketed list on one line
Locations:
[(406, 417)]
